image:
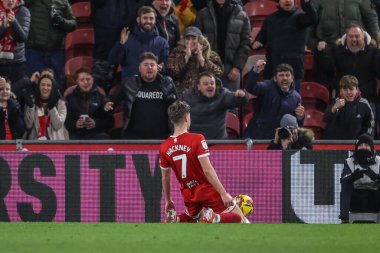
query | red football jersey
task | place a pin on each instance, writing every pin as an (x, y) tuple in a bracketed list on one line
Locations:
[(181, 154)]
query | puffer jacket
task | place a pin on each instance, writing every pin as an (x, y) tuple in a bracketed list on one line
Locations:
[(20, 31), (127, 93), (43, 35), (335, 16), (186, 75), (238, 39)]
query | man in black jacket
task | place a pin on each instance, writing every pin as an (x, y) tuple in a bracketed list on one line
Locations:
[(284, 35), (146, 98)]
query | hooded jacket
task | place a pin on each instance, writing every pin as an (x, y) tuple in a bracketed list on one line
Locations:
[(138, 42)]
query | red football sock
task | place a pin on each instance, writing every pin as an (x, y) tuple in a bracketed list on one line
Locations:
[(230, 218), (185, 218)]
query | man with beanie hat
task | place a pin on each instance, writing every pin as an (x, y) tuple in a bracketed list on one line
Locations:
[(360, 180), (288, 136)]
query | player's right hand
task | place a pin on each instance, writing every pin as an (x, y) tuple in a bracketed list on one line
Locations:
[(169, 205), (227, 199)]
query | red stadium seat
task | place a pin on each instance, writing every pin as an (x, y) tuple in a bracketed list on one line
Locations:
[(115, 131), (233, 126), (314, 96), (79, 43), (82, 12), (247, 118), (258, 10), (314, 121), (75, 63)]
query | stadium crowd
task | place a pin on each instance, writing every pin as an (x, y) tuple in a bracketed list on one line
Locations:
[(85, 69)]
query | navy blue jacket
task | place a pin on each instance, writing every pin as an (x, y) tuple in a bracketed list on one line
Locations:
[(272, 103), (138, 42)]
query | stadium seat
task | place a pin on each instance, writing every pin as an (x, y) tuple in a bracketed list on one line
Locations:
[(79, 43), (70, 89), (82, 12), (115, 131), (258, 10), (314, 96), (251, 61), (75, 63), (247, 118), (233, 126), (314, 121)]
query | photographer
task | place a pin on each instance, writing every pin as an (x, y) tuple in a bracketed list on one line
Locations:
[(290, 136)]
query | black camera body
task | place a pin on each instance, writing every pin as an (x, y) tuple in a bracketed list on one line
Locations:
[(284, 132)]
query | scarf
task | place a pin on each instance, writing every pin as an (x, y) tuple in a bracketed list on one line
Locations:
[(7, 44)]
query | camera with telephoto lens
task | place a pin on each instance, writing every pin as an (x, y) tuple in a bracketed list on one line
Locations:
[(284, 132)]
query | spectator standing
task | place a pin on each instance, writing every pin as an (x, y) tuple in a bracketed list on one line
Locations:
[(191, 57), (350, 115), (12, 124), (144, 37), (51, 20), (108, 18), (333, 19), (167, 22), (227, 27), (360, 180), (354, 55), (45, 113), (284, 35), (86, 119), (209, 102), (14, 30), (275, 98), (145, 99)]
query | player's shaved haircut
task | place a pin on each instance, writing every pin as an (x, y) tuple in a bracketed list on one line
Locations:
[(177, 111)]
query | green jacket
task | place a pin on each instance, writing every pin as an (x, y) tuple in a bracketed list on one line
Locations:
[(335, 15), (42, 34)]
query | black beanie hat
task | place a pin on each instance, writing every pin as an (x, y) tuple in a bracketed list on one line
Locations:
[(365, 138)]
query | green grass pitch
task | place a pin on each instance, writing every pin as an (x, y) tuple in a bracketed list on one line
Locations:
[(183, 238)]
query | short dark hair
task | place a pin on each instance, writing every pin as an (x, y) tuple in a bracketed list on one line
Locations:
[(177, 111), (50, 70), (284, 67), (82, 70), (148, 55), (348, 82), (206, 73), (144, 10)]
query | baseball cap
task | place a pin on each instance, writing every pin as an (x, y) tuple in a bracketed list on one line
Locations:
[(192, 31)]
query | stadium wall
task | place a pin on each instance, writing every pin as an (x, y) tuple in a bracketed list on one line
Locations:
[(116, 186)]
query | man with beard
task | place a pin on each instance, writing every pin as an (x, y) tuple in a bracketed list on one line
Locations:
[(275, 98), (360, 180), (145, 99), (143, 38)]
